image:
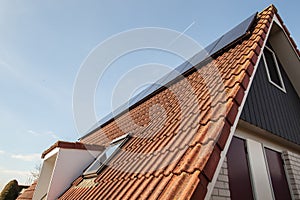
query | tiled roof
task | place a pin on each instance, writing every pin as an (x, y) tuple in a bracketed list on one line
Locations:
[(175, 150), (28, 193), (72, 145)]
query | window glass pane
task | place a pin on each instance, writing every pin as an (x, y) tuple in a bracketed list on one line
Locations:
[(273, 72), (277, 173), (111, 149), (103, 157), (96, 165), (238, 171)]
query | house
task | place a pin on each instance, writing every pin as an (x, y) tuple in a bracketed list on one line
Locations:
[(229, 129)]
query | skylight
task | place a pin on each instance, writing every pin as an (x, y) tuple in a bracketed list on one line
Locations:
[(105, 156)]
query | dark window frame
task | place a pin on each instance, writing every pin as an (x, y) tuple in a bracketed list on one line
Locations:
[(275, 189), (236, 191)]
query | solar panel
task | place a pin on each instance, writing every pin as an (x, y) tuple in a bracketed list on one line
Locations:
[(210, 47), (234, 34), (225, 40)]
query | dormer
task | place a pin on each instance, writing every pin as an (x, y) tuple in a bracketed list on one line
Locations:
[(63, 162)]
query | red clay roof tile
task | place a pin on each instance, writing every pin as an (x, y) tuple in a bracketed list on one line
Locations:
[(28, 193), (174, 152)]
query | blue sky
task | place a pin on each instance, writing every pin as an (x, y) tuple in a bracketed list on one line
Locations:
[(43, 44)]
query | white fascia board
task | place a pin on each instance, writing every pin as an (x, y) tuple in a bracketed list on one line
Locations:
[(287, 37), (51, 153), (287, 54), (249, 131), (275, 18), (211, 185)]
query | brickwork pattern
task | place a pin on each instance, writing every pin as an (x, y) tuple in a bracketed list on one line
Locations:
[(292, 165), (221, 190)]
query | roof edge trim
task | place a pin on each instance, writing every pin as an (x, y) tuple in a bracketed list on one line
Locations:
[(240, 109), (72, 145)]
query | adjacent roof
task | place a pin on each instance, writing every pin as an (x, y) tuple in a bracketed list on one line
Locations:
[(28, 193)]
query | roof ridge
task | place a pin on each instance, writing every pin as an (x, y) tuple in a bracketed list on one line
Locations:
[(271, 8), (274, 10)]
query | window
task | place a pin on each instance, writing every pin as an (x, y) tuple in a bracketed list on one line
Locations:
[(238, 170), (277, 175), (256, 172), (272, 68), (105, 156)]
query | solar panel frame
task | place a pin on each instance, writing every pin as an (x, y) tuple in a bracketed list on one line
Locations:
[(225, 40)]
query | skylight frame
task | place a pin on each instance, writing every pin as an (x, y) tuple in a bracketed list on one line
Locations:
[(282, 88), (119, 142)]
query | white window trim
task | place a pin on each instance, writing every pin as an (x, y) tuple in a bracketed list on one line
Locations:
[(258, 168), (252, 161), (277, 68), (119, 138), (122, 139)]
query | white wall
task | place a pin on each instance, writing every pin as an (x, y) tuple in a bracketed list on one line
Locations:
[(45, 175), (60, 170), (70, 164)]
